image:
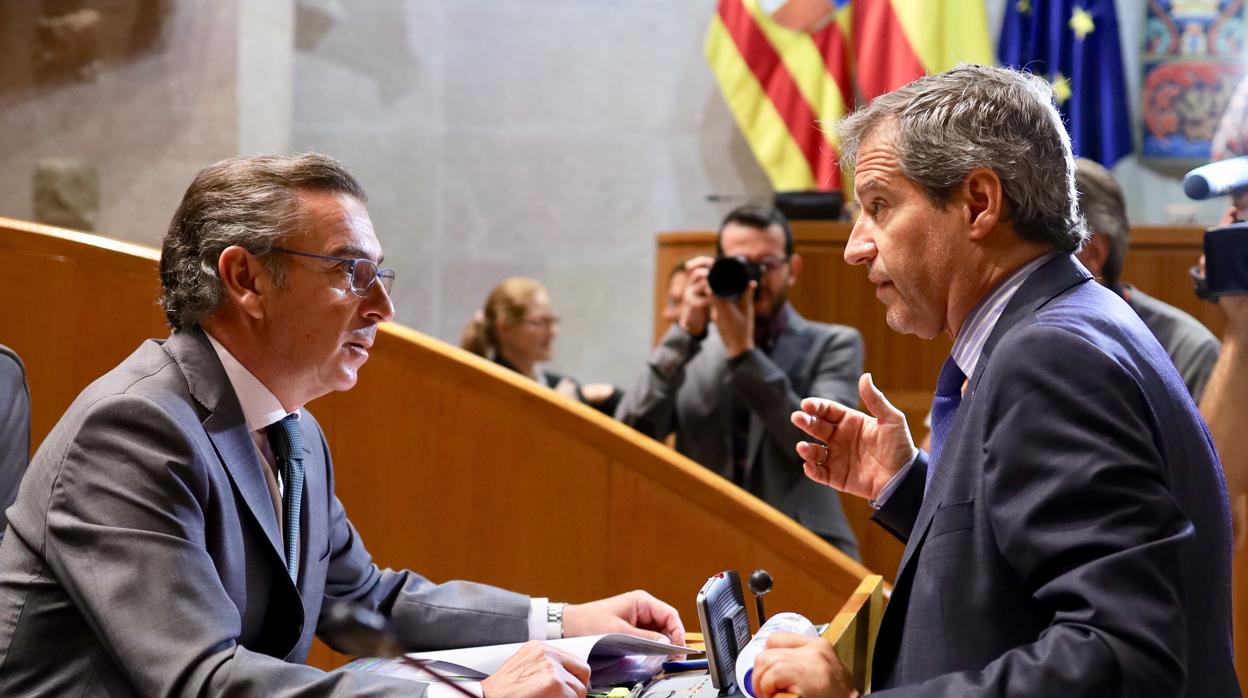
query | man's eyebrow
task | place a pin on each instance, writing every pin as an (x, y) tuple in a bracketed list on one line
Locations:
[(870, 184), (355, 252)]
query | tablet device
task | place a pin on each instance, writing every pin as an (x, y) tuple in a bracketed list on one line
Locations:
[(725, 626)]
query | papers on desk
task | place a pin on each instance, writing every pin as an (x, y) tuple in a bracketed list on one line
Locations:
[(613, 659)]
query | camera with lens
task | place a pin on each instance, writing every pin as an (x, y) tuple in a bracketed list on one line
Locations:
[(730, 276), (1226, 247), (1226, 262)]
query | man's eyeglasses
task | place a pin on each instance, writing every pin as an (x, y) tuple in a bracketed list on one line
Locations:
[(542, 323), (362, 272)]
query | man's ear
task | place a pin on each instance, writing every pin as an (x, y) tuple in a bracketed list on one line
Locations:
[(984, 198), (795, 268), (244, 280)]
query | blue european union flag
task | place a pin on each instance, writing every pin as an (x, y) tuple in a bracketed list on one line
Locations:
[(1074, 43)]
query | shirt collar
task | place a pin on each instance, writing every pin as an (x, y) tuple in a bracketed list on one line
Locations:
[(260, 406), (969, 345)]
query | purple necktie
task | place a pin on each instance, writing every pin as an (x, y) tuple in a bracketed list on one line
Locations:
[(944, 409)]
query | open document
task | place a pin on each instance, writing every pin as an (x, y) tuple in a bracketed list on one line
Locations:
[(613, 659)]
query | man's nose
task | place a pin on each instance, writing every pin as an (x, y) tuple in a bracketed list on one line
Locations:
[(860, 248), (378, 305)]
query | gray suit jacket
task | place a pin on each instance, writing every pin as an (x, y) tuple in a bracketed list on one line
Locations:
[(689, 386), (14, 427), (144, 557)]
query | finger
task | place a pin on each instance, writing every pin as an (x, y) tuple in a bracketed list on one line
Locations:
[(875, 402), (815, 454), (783, 640), (820, 417), (745, 302), (699, 263), (657, 615), (577, 668)]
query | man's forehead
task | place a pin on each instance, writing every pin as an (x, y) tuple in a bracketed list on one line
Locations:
[(738, 233), (339, 225), (877, 165)]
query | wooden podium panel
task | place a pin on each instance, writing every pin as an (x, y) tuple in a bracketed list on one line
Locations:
[(447, 464)]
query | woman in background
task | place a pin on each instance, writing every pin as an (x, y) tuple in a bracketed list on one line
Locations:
[(517, 328)]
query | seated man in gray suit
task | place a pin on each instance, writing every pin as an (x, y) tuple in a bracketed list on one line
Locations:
[(1191, 346), (729, 372), (14, 427), (178, 533)]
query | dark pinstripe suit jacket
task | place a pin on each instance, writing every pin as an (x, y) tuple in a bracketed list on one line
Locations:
[(1076, 538)]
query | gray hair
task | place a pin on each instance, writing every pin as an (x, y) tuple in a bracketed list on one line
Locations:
[(978, 116), (250, 202), (1104, 206)]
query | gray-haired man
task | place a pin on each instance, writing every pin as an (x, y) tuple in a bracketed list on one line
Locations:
[(1069, 533)]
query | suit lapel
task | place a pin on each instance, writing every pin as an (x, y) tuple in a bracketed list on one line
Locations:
[(226, 427), (1051, 280)]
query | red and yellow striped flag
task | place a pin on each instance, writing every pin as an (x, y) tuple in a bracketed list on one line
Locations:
[(897, 41), (784, 67), (780, 83)]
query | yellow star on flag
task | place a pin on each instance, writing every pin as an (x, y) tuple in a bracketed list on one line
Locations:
[(1081, 22), (1024, 7), (1061, 88)]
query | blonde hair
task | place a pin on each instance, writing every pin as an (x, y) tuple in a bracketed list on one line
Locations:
[(508, 301)]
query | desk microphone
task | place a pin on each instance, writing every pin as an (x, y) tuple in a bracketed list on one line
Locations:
[(760, 584), (357, 630)]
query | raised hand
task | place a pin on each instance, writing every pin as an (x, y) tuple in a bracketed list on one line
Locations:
[(862, 451)]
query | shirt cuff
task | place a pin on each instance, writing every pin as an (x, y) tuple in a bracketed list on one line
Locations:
[(537, 617), (441, 690), (887, 490)]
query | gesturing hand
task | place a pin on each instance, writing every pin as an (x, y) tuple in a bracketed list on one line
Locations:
[(538, 670), (863, 452)]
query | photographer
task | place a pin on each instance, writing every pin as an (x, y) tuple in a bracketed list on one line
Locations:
[(729, 372)]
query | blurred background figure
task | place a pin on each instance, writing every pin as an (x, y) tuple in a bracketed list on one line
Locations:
[(516, 328), (1191, 346), (14, 428), (676, 282)]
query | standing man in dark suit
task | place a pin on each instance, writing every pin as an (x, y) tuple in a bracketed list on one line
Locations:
[(178, 532), (1069, 533), (729, 372)]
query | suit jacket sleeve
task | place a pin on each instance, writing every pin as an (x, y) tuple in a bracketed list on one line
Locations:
[(767, 390), (14, 429), (1076, 495), (650, 407), (125, 536)]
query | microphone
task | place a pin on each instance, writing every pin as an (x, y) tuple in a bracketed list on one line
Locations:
[(1216, 178), (760, 583)]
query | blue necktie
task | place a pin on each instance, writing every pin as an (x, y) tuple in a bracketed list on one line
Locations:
[(944, 409), (286, 440)]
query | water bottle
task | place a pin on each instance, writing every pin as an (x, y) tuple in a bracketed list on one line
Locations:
[(782, 622)]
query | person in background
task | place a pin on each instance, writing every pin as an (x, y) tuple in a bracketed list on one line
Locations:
[(728, 373), (516, 328), (14, 428), (1191, 346), (1225, 401), (676, 281)]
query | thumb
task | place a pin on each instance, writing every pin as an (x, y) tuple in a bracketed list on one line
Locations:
[(875, 402)]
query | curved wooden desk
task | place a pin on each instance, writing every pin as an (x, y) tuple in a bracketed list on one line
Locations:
[(447, 463)]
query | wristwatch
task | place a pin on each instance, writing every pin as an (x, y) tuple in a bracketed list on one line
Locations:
[(554, 621)]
